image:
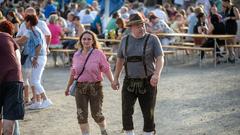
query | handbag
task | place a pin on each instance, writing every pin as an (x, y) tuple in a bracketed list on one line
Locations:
[(23, 57), (73, 87)]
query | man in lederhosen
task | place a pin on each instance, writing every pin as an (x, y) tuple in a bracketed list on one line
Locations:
[(141, 55)]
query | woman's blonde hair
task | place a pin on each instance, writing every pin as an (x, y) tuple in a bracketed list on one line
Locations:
[(95, 44), (53, 19)]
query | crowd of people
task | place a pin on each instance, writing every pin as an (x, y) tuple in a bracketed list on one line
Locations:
[(37, 27)]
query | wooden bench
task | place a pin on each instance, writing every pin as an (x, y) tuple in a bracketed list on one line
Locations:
[(233, 46), (166, 53), (106, 49), (169, 52), (66, 52), (184, 44), (190, 48), (108, 54), (63, 50)]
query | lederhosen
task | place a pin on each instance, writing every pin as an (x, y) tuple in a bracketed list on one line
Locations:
[(138, 88), (89, 93)]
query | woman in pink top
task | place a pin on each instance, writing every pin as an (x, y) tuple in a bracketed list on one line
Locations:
[(89, 83), (57, 33)]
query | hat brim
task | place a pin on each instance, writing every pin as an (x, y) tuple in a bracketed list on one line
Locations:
[(130, 23)]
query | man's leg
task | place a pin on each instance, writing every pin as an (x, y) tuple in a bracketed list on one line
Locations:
[(128, 102), (8, 127), (147, 103)]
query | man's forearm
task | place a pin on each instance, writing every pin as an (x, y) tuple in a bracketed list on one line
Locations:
[(159, 65)]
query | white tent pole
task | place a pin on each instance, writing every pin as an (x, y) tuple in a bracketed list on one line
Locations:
[(106, 15)]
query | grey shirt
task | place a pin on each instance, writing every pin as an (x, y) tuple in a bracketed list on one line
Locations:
[(135, 48)]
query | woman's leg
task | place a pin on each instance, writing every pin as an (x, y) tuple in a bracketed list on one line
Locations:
[(26, 75), (231, 51), (84, 128), (96, 100), (36, 82), (37, 75), (54, 54), (102, 126)]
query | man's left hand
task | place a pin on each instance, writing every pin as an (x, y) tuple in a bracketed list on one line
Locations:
[(154, 80)]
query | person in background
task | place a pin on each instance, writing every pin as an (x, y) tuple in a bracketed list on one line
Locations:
[(22, 30), (95, 5), (20, 13), (178, 24), (112, 23), (214, 11), (40, 15), (206, 5), (50, 8), (12, 17), (121, 28), (96, 25), (191, 19), (11, 82), (35, 62), (87, 18), (57, 33), (160, 13), (216, 27), (157, 25), (124, 13), (142, 73), (90, 90), (78, 26), (200, 28), (231, 15)]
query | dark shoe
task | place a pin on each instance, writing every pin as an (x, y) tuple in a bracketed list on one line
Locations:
[(202, 54), (220, 55), (231, 60), (104, 132)]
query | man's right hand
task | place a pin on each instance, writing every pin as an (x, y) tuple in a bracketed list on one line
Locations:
[(115, 85)]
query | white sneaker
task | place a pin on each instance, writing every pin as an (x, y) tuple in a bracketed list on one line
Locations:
[(148, 133), (129, 132), (46, 103), (34, 106)]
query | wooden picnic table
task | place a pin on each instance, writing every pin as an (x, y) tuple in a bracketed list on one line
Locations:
[(222, 37), (215, 37), (100, 40), (63, 50)]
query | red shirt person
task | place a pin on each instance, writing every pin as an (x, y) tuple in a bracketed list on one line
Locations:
[(11, 82)]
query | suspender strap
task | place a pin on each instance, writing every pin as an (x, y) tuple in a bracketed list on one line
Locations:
[(125, 64), (85, 63), (143, 56)]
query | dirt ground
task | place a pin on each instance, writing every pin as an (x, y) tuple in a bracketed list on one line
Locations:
[(190, 101)]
